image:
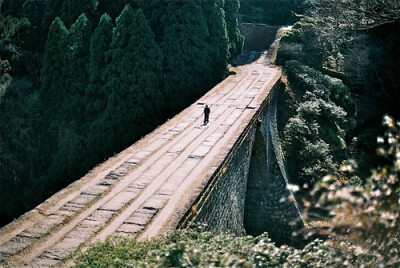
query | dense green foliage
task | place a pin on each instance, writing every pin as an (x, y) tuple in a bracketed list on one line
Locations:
[(76, 76), (99, 45), (179, 47), (218, 39), (323, 108), (235, 37), (368, 216), (338, 89), (52, 88), (132, 84), (315, 135), (78, 85), (191, 248)]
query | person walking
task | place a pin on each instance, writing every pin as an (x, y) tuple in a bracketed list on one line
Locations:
[(206, 114)]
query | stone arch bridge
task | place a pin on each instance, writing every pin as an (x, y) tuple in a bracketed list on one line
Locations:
[(228, 174)]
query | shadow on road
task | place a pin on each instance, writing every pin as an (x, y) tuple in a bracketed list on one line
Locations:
[(247, 57)]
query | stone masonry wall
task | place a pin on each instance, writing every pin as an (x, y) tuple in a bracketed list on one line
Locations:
[(221, 204), (270, 206), (223, 208), (248, 193)]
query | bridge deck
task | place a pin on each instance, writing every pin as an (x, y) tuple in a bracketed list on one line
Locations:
[(145, 190)]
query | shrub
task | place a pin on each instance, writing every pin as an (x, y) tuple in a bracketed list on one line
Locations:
[(368, 216)]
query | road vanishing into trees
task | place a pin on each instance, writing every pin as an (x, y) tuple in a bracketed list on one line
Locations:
[(145, 190)]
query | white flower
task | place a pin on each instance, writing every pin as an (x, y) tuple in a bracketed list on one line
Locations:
[(387, 121), (327, 178)]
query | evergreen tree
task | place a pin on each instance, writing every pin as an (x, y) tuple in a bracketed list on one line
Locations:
[(236, 39), (67, 147), (218, 39), (13, 35), (52, 10), (75, 73), (186, 61), (95, 98), (154, 11), (20, 158), (52, 88), (51, 95), (68, 158), (135, 63)]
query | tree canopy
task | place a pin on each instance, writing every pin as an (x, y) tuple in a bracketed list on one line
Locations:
[(89, 84), (358, 15), (52, 89), (185, 44)]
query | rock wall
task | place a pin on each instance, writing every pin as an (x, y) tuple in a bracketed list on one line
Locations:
[(258, 36), (221, 205), (269, 205), (248, 193)]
